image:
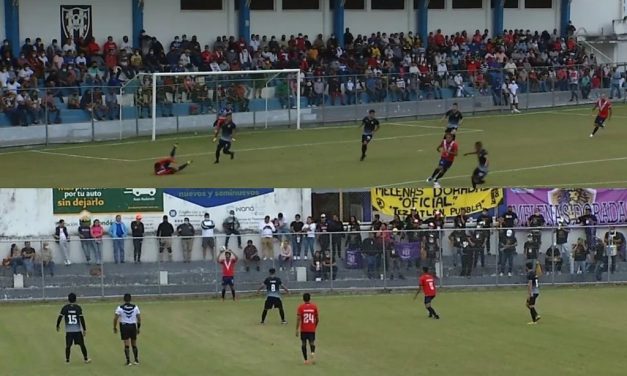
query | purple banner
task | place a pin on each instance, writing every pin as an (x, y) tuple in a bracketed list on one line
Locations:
[(609, 205), (408, 251), (354, 259)]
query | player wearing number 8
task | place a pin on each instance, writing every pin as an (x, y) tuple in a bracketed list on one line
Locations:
[(307, 321), (273, 286), (427, 284), (75, 328)]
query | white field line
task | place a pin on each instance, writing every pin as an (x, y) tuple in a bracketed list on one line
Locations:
[(530, 168), (79, 156), (290, 146)]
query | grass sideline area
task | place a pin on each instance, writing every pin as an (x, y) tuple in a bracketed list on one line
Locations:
[(480, 333), (536, 148)]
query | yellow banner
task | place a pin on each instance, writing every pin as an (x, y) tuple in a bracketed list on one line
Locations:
[(450, 201)]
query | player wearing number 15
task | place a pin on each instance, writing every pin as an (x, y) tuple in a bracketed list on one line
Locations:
[(75, 328), (273, 286), (307, 321), (448, 152), (427, 284)]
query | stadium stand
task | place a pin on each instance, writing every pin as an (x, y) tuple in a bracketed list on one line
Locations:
[(380, 67)]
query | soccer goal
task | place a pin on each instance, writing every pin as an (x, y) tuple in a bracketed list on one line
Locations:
[(257, 98)]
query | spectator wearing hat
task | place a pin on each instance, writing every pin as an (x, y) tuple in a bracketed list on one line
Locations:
[(186, 231), (324, 240), (507, 250), (137, 231), (231, 226)]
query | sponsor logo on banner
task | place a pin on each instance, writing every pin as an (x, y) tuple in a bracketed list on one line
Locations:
[(74, 204), (450, 201), (249, 205), (609, 205), (76, 22)]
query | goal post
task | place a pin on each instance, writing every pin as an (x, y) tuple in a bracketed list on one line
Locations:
[(231, 76)]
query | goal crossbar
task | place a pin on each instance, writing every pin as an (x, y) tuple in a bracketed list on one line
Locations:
[(225, 73)]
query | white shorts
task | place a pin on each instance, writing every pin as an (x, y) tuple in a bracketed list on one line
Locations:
[(513, 99)]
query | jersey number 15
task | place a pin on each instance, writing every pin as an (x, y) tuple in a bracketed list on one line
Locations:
[(72, 319)]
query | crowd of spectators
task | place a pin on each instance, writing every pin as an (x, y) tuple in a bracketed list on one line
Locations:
[(372, 68), (323, 244)]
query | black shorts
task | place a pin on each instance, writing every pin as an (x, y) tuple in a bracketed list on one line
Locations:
[(128, 331), (311, 337), (224, 145), (480, 173), (74, 338), (532, 299), (227, 281), (273, 302), (428, 299), (366, 138), (600, 121)]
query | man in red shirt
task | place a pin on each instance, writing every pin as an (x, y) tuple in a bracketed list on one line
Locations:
[(427, 284), (306, 323), (448, 152), (228, 261), (605, 113), (165, 166)]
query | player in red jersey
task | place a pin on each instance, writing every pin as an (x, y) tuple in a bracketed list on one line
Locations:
[(604, 106), (220, 119), (165, 166), (427, 284), (228, 262), (448, 152), (307, 321)]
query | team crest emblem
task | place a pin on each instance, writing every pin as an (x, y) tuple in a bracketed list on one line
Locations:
[(76, 22)]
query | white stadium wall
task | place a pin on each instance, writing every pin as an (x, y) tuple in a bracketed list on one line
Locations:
[(42, 19), (2, 25), (595, 16), (532, 19), (164, 19), (308, 22)]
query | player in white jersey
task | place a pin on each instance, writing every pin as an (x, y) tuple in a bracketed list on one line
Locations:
[(512, 88), (129, 319)]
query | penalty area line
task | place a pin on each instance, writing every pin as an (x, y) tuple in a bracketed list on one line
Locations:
[(79, 156)]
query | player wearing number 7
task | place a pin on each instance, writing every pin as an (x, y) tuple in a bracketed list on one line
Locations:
[(307, 321), (448, 152), (427, 284), (75, 328)]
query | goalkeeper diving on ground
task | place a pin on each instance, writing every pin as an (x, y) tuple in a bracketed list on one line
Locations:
[(167, 166)]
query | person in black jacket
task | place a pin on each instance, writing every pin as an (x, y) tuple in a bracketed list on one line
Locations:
[(137, 231), (336, 227), (164, 234)]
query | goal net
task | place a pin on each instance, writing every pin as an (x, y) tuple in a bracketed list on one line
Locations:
[(176, 102)]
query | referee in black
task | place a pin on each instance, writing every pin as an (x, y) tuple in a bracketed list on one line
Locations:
[(454, 119), (75, 328), (129, 319), (370, 125)]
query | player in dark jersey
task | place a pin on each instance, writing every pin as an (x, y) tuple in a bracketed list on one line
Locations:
[(370, 125), (75, 328), (227, 136), (533, 291), (479, 174), (166, 166), (454, 119), (273, 286)]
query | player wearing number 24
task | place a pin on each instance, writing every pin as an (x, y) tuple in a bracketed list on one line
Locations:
[(307, 321)]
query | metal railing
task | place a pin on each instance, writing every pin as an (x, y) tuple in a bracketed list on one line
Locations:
[(188, 104), (383, 259)]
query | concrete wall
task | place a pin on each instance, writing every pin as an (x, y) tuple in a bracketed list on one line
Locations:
[(596, 16)]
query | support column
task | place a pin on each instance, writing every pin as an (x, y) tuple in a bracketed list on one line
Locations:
[(422, 15), (338, 21), (498, 16), (243, 19), (12, 24), (138, 21), (564, 17)]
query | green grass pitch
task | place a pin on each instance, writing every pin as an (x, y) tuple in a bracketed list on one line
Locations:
[(582, 332), (541, 148)]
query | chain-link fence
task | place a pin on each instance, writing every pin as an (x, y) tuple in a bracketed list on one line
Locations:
[(90, 111), (386, 258)]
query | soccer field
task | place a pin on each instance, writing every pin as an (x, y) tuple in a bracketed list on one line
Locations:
[(542, 148), (582, 332)]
